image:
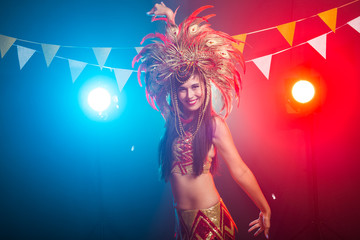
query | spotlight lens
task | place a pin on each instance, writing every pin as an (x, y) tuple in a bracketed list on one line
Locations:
[(303, 91), (99, 99)]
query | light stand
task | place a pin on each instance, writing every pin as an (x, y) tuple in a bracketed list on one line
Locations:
[(314, 228)]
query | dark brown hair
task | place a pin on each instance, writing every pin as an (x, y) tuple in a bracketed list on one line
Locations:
[(201, 144)]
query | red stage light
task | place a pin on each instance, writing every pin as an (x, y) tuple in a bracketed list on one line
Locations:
[(304, 97), (303, 91)]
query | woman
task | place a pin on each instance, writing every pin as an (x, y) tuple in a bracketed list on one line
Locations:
[(180, 73)]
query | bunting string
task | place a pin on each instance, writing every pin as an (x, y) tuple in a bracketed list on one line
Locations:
[(287, 30), (300, 44), (300, 20), (64, 58), (317, 45)]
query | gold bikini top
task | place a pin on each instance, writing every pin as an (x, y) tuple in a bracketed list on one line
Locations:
[(183, 156)]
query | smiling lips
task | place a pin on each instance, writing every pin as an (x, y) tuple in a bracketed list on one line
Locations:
[(192, 102)]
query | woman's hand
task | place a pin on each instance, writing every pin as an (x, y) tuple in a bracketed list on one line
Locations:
[(162, 10), (261, 224), (159, 10)]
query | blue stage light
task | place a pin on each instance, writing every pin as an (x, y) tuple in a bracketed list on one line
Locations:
[(99, 99)]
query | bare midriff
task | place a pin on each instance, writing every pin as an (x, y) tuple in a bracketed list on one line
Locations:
[(194, 192)]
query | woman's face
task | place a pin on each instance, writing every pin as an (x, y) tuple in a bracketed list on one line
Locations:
[(191, 94)]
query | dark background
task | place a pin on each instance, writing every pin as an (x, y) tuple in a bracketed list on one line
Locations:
[(64, 175)]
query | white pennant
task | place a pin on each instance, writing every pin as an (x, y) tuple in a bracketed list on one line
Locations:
[(319, 44), (5, 44), (355, 24), (24, 54), (49, 52), (216, 98), (263, 63), (101, 55), (138, 49), (122, 75), (76, 67)]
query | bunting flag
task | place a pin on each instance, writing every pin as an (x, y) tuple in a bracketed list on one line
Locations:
[(287, 30), (76, 67), (24, 54), (49, 52), (122, 75), (319, 44), (138, 49), (329, 18), (5, 44), (263, 63), (241, 38), (101, 55), (216, 98), (355, 24)]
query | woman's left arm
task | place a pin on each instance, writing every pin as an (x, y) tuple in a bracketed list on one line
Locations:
[(243, 176)]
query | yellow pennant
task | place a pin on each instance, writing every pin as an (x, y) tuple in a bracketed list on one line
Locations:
[(287, 30), (329, 17), (241, 38)]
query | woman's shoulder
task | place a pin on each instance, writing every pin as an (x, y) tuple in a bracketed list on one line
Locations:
[(220, 126)]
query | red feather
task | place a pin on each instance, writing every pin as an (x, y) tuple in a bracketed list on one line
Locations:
[(153, 104), (150, 100), (199, 10), (207, 17), (139, 74), (154, 18), (136, 59), (156, 35)]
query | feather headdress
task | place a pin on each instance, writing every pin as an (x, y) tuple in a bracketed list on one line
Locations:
[(193, 45)]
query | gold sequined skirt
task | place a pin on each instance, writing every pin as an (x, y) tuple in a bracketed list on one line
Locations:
[(213, 223)]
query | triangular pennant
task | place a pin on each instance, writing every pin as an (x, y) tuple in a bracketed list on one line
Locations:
[(241, 38), (138, 49), (355, 24), (319, 44), (24, 54), (76, 67), (329, 17), (5, 44), (49, 52), (122, 75), (263, 63), (101, 55), (216, 98), (287, 30)]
